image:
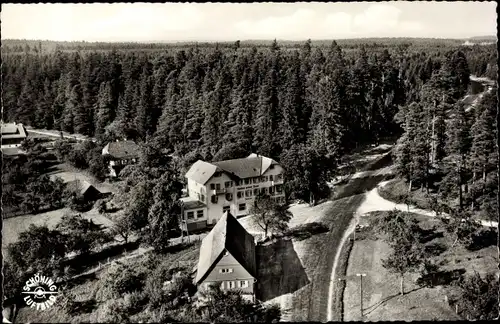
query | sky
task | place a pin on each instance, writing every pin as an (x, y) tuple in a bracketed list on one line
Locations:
[(142, 22)]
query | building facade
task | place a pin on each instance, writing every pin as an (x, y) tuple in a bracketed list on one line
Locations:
[(230, 185), (120, 154), (227, 258)]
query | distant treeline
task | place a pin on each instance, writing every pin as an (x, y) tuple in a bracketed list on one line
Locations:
[(20, 46)]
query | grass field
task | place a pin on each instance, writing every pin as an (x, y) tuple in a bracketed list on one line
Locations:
[(14, 226), (381, 299)]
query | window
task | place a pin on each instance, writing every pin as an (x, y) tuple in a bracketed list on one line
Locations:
[(271, 167), (263, 191), (217, 186), (279, 189), (271, 190), (199, 213), (256, 192), (242, 207), (228, 184), (279, 176), (243, 284), (248, 193), (247, 181), (214, 199), (190, 215), (255, 180), (224, 270), (217, 174), (203, 198), (263, 179), (239, 194), (225, 209), (229, 196), (212, 186), (222, 285), (232, 284)]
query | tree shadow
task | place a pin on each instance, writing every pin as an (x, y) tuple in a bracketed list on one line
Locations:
[(304, 231), (483, 239), (280, 271), (435, 249), (359, 186), (427, 235), (81, 307), (440, 278), (370, 309), (380, 163)]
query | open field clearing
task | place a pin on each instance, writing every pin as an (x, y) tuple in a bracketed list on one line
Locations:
[(381, 298), (14, 226), (68, 173)]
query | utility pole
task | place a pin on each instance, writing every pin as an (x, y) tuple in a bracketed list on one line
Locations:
[(361, 275), (355, 226)]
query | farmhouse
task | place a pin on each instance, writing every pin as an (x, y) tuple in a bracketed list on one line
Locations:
[(230, 185), (120, 154), (13, 135), (227, 258), (85, 189)]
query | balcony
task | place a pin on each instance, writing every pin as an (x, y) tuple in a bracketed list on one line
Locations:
[(276, 182), (220, 191)]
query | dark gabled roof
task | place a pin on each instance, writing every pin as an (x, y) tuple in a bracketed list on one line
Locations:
[(201, 171), (13, 130), (227, 234), (81, 186), (122, 149)]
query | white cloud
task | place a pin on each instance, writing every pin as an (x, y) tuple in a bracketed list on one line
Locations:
[(291, 26), (338, 24), (377, 18)]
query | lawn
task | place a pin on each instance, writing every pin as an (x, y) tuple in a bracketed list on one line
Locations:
[(68, 173), (14, 226), (84, 288), (381, 299)]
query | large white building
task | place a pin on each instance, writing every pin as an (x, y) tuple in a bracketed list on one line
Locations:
[(231, 185)]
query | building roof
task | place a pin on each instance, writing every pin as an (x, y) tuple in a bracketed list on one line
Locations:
[(251, 166), (122, 149), (12, 151), (13, 130), (81, 186), (227, 235), (201, 171), (190, 203)]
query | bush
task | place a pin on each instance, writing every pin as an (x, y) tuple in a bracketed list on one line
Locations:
[(478, 297), (79, 204), (118, 281)]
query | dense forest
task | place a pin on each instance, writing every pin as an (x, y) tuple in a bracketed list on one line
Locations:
[(227, 100)]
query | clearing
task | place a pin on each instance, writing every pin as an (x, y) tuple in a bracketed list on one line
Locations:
[(381, 298)]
